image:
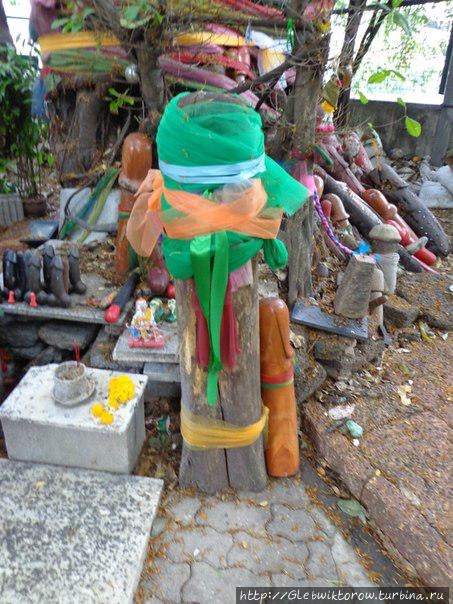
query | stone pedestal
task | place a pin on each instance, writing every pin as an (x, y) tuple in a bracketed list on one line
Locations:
[(39, 430), (70, 535)]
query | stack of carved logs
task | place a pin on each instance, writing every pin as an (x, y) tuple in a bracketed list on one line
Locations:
[(348, 198), (22, 277)]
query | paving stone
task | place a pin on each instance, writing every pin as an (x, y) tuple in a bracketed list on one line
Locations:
[(296, 525), (72, 536), (326, 526), (342, 552), (320, 563), (207, 584), (183, 512), (232, 516), (43, 431), (277, 555), (65, 335), (290, 491), (200, 544), (280, 580), (159, 526), (353, 575), (167, 580)]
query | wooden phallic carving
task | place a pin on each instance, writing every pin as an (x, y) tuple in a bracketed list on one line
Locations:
[(389, 213), (277, 388), (135, 162)]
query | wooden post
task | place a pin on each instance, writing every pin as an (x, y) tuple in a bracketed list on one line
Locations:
[(239, 397)]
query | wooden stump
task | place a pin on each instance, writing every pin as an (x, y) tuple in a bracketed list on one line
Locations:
[(239, 397)]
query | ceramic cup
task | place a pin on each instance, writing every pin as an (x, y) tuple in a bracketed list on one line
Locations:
[(70, 382)]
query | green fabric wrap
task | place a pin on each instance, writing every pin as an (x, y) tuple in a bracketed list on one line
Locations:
[(219, 133)]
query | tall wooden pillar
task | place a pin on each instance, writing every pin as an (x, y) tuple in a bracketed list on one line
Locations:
[(239, 397)]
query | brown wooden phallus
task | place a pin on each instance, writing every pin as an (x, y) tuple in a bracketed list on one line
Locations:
[(135, 164), (282, 452), (378, 202), (136, 160), (338, 213), (319, 184)]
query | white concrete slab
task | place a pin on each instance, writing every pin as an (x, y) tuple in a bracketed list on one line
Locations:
[(38, 429), (70, 536), (168, 354)]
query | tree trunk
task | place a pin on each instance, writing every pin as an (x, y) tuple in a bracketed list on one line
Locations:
[(299, 232), (239, 397), (151, 81), (5, 36), (347, 54)]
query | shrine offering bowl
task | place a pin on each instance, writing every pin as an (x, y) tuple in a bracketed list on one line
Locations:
[(71, 385)]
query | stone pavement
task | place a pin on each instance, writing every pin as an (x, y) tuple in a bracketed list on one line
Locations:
[(205, 546)]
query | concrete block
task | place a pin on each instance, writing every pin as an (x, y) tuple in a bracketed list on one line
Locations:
[(38, 429), (163, 380), (169, 353), (155, 390), (353, 293), (72, 536), (162, 372)]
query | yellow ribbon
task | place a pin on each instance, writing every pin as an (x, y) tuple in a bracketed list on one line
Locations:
[(201, 432), (83, 39)]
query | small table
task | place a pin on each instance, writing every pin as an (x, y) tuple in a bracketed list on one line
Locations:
[(37, 429)]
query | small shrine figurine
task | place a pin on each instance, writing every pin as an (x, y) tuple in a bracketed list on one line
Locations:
[(157, 308), (170, 314), (143, 328)]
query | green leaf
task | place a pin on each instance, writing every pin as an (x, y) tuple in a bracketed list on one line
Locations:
[(131, 13), (401, 20), (378, 76), (59, 23), (383, 74), (363, 98), (352, 507), (396, 3), (400, 101), (397, 74), (87, 12), (413, 127)]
